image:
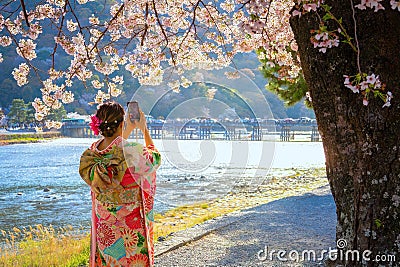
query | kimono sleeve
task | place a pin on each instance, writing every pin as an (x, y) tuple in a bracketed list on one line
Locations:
[(143, 160), (152, 156)]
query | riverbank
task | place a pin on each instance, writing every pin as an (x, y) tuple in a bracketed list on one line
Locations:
[(11, 138), (55, 247), (293, 182)]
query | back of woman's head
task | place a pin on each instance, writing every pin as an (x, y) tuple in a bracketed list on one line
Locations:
[(111, 114)]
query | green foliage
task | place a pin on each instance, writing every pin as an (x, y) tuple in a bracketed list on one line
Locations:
[(378, 223), (290, 90), (18, 111), (30, 116), (57, 114), (21, 112), (80, 259)]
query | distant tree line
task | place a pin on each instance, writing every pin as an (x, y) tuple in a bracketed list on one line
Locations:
[(22, 115)]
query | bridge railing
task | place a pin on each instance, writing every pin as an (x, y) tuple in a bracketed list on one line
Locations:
[(253, 130)]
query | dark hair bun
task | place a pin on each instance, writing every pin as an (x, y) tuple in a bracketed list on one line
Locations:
[(112, 114)]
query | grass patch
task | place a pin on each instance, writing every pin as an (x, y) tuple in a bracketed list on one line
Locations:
[(184, 217), (22, 138), (44, 246)]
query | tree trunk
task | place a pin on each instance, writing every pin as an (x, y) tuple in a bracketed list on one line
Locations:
[(361, 143)]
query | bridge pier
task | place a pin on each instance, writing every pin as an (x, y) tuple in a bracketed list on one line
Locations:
[(285, 133), (231, 134), (256, 134), (314, 134), (204, 132), (77, 132), (186, 133), (156, 132)]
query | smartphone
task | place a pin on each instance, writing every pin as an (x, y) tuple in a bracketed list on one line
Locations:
[(133, 111)]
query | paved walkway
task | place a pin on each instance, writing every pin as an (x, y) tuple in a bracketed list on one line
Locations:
[(296, 223)]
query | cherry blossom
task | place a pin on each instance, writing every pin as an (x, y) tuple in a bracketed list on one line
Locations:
[(146, 37), (308, 96), (67, 97), (97, 84), (368, 85), (175, 86), (101, 96), (53, 124), (304, 6), (26, 49), (94, 20), (113, 90), (185, 82), (41, 109), (118, 79), (232, 75), (211, 93), (324, 39), (20, 74), (389, 97), (83, 1), (5, 40), (375, 4), (72, 26), (395, 4)]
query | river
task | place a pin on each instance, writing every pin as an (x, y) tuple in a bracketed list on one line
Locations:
[(40, 184)]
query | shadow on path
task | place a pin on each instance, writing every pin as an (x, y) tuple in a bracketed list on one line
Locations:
[(296, 223)]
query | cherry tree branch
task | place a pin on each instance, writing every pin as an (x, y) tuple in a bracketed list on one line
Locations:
[(121, 8), (163, 32), (58, 35), (25, 13), (28, 62), (146, 26)]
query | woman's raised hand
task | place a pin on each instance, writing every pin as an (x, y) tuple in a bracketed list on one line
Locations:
[(141, 124)]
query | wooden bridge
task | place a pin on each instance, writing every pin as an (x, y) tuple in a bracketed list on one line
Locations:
[(203, 130)]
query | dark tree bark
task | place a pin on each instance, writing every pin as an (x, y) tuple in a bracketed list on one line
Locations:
[(361, 143)]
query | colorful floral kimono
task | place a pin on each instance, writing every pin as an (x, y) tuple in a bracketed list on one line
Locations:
[(124, 178)]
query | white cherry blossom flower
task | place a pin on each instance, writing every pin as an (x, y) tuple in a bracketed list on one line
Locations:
[(72, 26), (26, 48)]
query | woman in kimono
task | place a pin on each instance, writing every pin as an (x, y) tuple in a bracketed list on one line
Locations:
[(122, 178)]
